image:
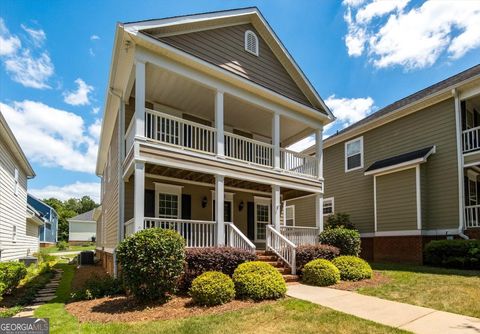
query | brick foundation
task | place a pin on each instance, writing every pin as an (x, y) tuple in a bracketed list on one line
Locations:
[(106, 260), (46, 244), (367, 249), (473, 233)]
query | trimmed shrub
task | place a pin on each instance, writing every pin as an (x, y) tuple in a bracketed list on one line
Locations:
[(212, 288), (258, 281), (320, 272), (463, 254), (223, 259), (339, 220), (307, 253), (62, 245), (151, 261), (352, 268), (347, 241), (10, 275), (98, 287)]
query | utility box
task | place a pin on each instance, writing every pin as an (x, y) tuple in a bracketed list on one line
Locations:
[(86, 258), (28, 260)]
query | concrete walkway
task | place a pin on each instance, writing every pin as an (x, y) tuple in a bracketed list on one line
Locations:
[(412, 318), (65, 253)]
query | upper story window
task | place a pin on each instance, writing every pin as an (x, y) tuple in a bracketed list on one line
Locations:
[(16, 182), (251, 42), (354, 154)]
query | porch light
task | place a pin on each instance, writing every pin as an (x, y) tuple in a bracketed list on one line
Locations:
[(204, 202), (240, 206)]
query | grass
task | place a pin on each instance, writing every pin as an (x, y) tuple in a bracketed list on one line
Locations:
[(450, 290), (285, 316), (55, 249)]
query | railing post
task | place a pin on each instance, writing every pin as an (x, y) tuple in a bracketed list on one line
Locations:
[(219, 208), (276, 207), (319, 152), (220, 142), (139, 98), (319, 212), (276, 140), (139, 194)]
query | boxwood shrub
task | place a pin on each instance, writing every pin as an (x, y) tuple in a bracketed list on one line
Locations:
[(99, 286), (212, 288), (320, 272), (307, 253), (463, 254), (223, 259), (151, 262), (339, 220), (346, 240), (258, 281), (352, 268), (10, 275)]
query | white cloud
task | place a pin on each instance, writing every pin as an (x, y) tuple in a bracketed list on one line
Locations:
[(9, 44), (95, 110), (75, 190), (53, 137), (80, 96), (353, 3), (391, 34), (349, 110), (38, 36), (91, 52), (95, 128), (94, 37)]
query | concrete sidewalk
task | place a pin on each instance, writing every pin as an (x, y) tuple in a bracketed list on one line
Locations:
[(404, 316)]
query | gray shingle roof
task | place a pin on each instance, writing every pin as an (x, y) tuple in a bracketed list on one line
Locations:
[(86, 216)]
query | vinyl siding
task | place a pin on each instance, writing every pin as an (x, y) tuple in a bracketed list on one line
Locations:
[(353, 191), (397, 201), (225, 47), (13, 210), (81, 231), (304, 210)]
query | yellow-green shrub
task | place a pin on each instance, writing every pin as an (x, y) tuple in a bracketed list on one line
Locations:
[(320, 272), (352, 268), (212, 288), (258, 281)]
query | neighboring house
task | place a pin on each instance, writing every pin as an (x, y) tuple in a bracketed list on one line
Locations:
[(408, 173), (82, 227), (198, 116), (18, 222), (48, 231)]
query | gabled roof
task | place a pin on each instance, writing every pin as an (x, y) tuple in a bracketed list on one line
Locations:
[(6, 135), (401, 160), (83, 217)]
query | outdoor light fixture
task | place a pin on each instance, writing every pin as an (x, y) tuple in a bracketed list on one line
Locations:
[(240, 206), (204, 202)]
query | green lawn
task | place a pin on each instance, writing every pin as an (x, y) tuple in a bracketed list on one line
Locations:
[(285, 316), (54, 249), (450, 290)]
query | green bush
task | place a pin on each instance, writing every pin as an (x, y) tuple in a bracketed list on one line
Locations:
[(62, 245), (352, 268), (339, 220), (10, 275), (212, 288), (463, 254), (346, 240), (307, 253), (320, 272), (98, 287), (258, 281), (151, 262)]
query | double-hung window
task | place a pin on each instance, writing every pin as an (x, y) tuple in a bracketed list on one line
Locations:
[(354, 154), (328, 206)]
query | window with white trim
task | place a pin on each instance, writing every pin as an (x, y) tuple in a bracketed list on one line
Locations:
[(251, 42), (354, 154), (328, 206), (168, 200), (290, 215), (16, 182)]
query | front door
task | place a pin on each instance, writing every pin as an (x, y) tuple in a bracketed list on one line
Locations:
[(262, 218)]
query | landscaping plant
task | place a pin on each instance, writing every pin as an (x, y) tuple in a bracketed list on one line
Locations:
[(258, 281), (307, 253), (98, 287), (151, 262), (212, 288), (463, 254), (10, 275), (352, 268), (62, 245), (346, 240), (320, 272), (339, 220)]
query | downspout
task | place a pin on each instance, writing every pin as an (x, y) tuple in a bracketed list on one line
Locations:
[(461, 190)]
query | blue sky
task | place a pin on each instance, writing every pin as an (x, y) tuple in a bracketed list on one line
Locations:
[(360, 56)]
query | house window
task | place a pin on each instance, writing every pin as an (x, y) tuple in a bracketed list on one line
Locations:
[(354, 154), (168, 204), (328, 206), (290, 215), (251, 42), (16, 182)]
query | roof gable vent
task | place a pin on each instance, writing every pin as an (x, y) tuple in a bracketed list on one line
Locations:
[(251, 42)]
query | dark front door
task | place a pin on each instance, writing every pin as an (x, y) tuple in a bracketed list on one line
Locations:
[(227, 212)]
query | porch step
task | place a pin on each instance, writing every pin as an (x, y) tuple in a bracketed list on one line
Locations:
[(273, 260), (291, 278), (267, 258)]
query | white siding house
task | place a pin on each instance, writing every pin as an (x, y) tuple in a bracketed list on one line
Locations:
[(82, 227), (17, 236)]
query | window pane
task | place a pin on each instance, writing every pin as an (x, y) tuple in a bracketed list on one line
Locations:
[(353, 148), (167, 206), (354, 161)]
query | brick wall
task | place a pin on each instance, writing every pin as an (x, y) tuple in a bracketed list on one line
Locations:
[(473, 233), (404, 249), (106, 260), (367, 249)]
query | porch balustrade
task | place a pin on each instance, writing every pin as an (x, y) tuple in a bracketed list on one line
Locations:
[(472, 216), (471, 139), (300, 235)]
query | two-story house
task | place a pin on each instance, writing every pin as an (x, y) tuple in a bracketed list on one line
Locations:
[(199, 114), (408, 173), (19, 223), (48, 232)]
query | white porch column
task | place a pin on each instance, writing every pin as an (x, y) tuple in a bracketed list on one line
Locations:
[(276, 140), (319, 212), (319, 151), (139, 98), (219, 207), (220, 146), (461, 185), (276, 207), (139, 194)]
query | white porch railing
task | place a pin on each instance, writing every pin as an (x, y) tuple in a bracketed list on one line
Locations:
[(471, 139), (298, 163), (129, 227), (300, 235), (180, 132), (472, 216), (282, 247), (249, 150), (129, 136), (235, 238), (197, 233)]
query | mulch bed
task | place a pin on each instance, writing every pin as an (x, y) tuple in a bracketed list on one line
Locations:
[(127, 309), (377, 279), (83, 273)]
